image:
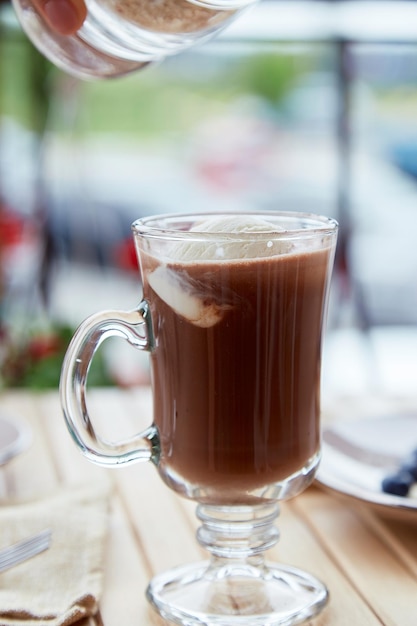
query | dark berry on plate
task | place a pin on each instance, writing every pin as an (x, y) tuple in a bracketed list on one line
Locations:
[(398, 484)]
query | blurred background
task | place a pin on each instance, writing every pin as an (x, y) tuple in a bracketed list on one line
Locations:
[(306, 106)]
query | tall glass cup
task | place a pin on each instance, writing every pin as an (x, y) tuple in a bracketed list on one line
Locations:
[(117, 37), (232, 317)]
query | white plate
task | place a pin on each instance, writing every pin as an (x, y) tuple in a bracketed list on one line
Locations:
[(15, 437), (358, 454)]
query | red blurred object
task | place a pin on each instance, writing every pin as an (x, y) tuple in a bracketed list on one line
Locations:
[(125, 256), (44, 346), (12, 227)]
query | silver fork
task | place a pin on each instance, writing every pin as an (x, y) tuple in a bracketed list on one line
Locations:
[(24, 550)]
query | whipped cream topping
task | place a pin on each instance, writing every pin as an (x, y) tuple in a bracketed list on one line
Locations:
[(229, 246)]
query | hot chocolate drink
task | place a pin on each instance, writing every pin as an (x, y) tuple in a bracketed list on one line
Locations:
[(232, 317), (236, 362)]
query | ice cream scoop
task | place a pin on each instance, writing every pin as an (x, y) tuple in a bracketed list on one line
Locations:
[(185, 297)]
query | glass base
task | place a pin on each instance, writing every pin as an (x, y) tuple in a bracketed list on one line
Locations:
[(236, 594), (71, 53)]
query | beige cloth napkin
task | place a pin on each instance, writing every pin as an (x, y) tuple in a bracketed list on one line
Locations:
[(62, 585)]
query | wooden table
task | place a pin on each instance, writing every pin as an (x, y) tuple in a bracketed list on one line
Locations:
[(368, 562)]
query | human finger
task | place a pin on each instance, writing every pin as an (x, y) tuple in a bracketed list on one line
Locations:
[(63, 16)]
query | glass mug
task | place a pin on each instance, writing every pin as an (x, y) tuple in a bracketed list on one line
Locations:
[(122, 36), (232, 316)]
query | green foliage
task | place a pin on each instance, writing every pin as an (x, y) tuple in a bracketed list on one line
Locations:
[(36, 363), (271, 75), (158, 101), (145, 105), (24, 81)]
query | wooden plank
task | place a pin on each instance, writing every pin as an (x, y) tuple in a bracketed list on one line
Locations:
[(71, 465), (399, 535), (298, 546), (33, 472), (371, 566), (127, 574)]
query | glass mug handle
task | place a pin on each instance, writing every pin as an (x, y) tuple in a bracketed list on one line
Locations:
[(133, 326)]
